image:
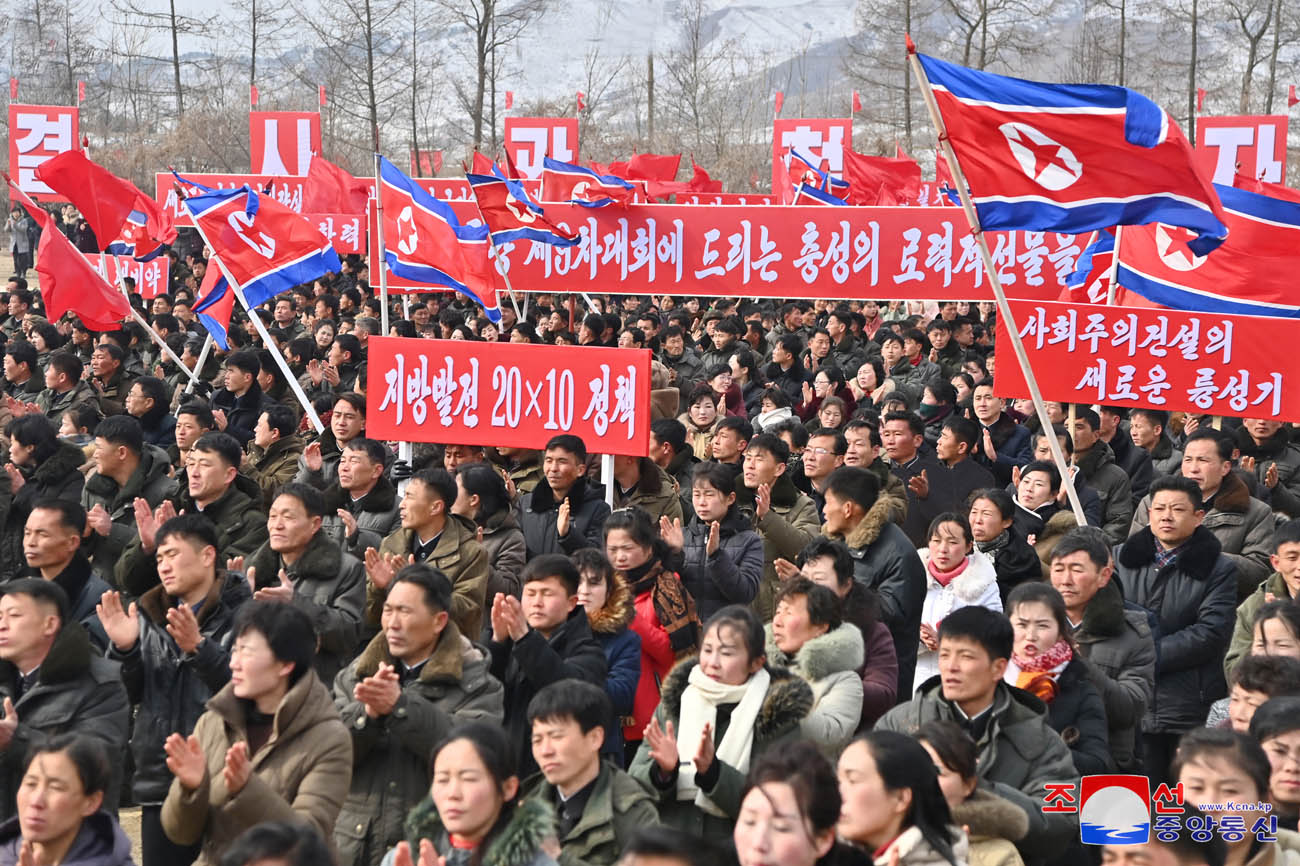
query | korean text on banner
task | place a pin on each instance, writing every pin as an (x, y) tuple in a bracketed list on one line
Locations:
[(151, 278), (508, 394), (1203, 363), (38, 133)]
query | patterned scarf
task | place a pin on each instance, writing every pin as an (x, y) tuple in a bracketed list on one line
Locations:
[(996, 545), (673, 605), (1038, 673)]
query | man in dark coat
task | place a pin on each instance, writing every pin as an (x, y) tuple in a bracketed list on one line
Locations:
[(1175, 570), (883, 559), (52, 682), (52, 548), (237, 406), (1003, 444), (564, 512), (540, 640), (1100, 471), (1136, 462), (902, 434)]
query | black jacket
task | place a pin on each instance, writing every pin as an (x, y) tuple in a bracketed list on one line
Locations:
[(1079, 716), (241, 412), (1194, 601), (57, 478), (525, 666), (920, 512), (1015, 562), (538, 511), (171, 688), (731, 575), (1135, 461)]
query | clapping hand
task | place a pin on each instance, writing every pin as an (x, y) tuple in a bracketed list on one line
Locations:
[(283, 592), (121, 626), (920, 485), (663, 745), (312, 458), (185, 760), (563, 519), (379, 693), (671, 532), (238, 768)]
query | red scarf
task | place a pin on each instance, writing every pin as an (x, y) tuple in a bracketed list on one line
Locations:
[(943, 578), (1036, 675)]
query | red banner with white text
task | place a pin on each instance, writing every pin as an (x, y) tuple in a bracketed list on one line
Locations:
[(38, 133), (1203, 363), (152, 278), (346, 232), (508, 394)]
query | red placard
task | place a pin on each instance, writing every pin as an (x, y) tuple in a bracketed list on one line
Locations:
[(1204, 363), (346, 232), (37, 133), (509, 394), (430, 163), (152, 278), (283, 142), (1255, 142), (724, 198), (821, 139), (528, 139), (787, 252)]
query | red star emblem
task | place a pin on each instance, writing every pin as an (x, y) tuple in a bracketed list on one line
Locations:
[(1045, 155)]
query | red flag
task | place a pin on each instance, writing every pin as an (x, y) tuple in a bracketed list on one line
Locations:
[(322, 96), (899, 153), (582, 101), (330, 189), (81, 92), (480, 164), (117, 211), (783, 186), (252, 94), (879, 180), (653, 166), (13, 88), (779, 102), (510, 99), (68, 281), (857, 102), (942, 174), (700, 181), (1200, 99), (1263, 187), (215, 303), (1291, 98)]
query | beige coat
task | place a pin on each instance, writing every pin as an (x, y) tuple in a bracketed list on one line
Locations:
[(302, 773)]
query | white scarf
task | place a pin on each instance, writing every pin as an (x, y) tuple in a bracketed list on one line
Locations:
[(699, 708)]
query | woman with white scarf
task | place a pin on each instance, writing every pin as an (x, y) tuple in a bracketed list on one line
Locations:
[(717, 714)]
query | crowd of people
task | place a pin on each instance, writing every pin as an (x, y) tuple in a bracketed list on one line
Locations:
[(841, 613)]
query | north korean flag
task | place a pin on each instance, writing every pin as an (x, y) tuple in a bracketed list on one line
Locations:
[(265, 247), (1090, 281), (805, 171), (511, 214), (1252, 273), (565, 182), (808, 194), (1071, 157), (215, 303)]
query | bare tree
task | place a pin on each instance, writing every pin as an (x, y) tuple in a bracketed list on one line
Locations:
[(176, 25), (1253, 17)]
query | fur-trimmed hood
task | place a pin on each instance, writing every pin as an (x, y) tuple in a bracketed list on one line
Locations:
[(1104, 615), (68, 658), (543, 498), (66, 459), (382, 497), (1233, 496), (1270, 449), (972, 583), (618, 611), (450, 657), (985, 815), (1197, 559), (531, 823), (789, 699), (322, 560), (870, 526), (834, 652)]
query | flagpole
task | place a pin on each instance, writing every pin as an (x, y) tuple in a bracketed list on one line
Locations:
[(496, 252), (1004, 308), (379, 240), (267, 342), (203, 359), (1114, 270)]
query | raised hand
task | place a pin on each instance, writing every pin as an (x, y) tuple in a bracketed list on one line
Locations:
[(98, 521), (316, 371), (349, 522), (920, 485), (500, 619), (715, 539), (311, 457), (238, 768), (989, 451), (663, 745), (762, 501), (8, 725), (1271, 476), (16, 479), (219, 416), (671, 532), (379, 693), (283, 592), (563, 519), (122, 627), (704, 754), (185, 760), (332, 374), (785, 569), (183, 626)]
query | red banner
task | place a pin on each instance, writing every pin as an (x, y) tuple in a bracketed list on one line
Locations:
[(152, 278), (510, 394), (283, 142), (1202, 363), (37, 133), (346, 232), (788, 252), (528, 139), (821, 139), (1254, 145), (429, 164)]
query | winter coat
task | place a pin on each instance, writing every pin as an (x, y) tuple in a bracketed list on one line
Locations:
[(162, 433), (1168, 460), (731, 575), (59, 477), (993, 826), (538, 511), (922, 512), (100, 841), (789, 381), (884, 560), (1283, 449), (330, 454), (1136, 462), (237, 515), (54, 404), (533, 662), (171, 688), (1015, 563), (787, 527), (1243, 632), (914, 850), (617, 808), (788, 701), (687, 365), (829, 663), (1061, 522), (150, 482), (700, 439), (977, 585), (506, 551), (76, 690), (879, 670), (376, 514), (1018, 754), (84, 589), (241, 412), (611, 626), (1078, 715), (301, 774), (657, 660), (274, 466), (390, 755), (1285, 852), (519, 843), (460, 557), (1012, 442), (1115, 642), (330, 587), (656, 494), (1243, 525), (1099, 471), (1192, 600)]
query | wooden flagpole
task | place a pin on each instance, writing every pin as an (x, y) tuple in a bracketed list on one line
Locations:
[(1004, 309), (198, 366), (1114, 270), (379, 241)]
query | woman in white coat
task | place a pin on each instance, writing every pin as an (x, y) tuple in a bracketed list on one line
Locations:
[(956, 575)]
